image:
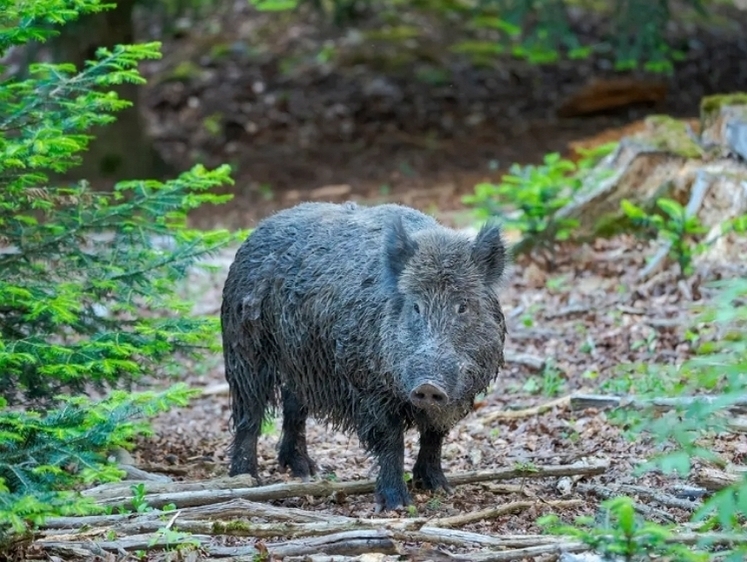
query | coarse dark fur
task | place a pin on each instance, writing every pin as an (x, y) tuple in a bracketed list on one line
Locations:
[(345, 310)]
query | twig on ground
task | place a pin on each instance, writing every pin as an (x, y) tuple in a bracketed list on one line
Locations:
[(606, 493), (493, 512), (527, 412), (138, 474), (215, 389), (521, 553), (323, 488), (568, 311)]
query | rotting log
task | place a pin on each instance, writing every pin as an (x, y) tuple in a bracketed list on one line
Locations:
[(666, 157)]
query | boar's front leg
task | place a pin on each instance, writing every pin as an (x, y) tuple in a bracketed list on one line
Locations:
[(386, 441), (427, 473)]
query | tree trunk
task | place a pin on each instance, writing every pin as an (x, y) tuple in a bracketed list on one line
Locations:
[(120, 150)]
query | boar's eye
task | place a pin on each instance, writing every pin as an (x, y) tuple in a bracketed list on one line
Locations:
[(461, 308), (416, 308)]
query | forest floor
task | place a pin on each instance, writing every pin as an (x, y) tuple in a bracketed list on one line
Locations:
[(255, 91), (578, 328)]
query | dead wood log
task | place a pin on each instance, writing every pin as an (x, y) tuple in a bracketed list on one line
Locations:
[(665, 158), (322, 488), (119, 489), (583, 401), (456, 537), (737, 425), (233, 509), (714, 480), (346, 543)]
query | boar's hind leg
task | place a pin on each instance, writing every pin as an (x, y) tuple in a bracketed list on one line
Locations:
[(293, 453), (386, 440), (427, 473), (251, 392)]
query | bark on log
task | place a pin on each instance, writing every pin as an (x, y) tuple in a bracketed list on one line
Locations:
[(192, 498), (347, 543), (233, 509), (583, 401)]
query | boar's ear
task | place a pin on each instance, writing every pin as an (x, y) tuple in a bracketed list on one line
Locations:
[(398, 249), (489, 253)]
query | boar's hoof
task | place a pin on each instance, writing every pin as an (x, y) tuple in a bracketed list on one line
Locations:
[(300, 465), (429, 395), (430, 478), (391, 498)]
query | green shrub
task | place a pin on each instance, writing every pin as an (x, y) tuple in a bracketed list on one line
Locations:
[(539, 31), (88, 291), (527, 198), (44, 456)]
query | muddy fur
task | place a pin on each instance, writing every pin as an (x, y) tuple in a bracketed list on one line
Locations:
[(339, 311)]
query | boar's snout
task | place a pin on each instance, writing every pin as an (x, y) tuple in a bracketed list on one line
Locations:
[(429, 395)]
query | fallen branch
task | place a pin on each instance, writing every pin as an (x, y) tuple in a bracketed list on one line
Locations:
[(493, 512), (583, 401), (119, 489), (138, 474), (233, 509), (557, 548), (607, 493), (348, 543), (697, 194), (323, 488), (527, 412), (659, 497)]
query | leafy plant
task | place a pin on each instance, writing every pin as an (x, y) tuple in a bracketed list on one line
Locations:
[(673, 225), (43, 454), (528, 196), (88, 294), (620, 533), (539, 31), (88, 277)]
